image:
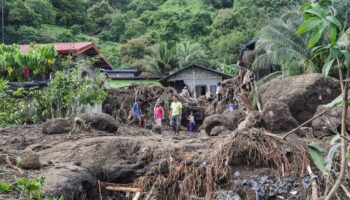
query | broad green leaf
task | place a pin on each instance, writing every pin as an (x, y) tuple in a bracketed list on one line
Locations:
[(315, 151), (314, 13), (329, 159), (4, 187), (333, 34), (347, 57), (316, 35), (327, 67), (335, 21), (308, 25)]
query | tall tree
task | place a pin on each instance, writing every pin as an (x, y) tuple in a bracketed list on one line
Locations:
[(160, 61), (191, 53), (279, 45)]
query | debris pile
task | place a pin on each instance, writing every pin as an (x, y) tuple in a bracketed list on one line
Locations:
[(120, 101), (202, 176)]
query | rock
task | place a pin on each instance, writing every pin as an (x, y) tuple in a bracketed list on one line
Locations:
[(99, 121), (29, 160), (329, 122), (157, 129), (302, 94), (219, 130), (2, 159), (253, 119), (163, 167), (229, 119), (277, 117), (57, 126)]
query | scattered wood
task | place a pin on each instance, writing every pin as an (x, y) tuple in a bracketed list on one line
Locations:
[(99, 189), (137, 196), (9, 164), (313, 184), (346, 191)]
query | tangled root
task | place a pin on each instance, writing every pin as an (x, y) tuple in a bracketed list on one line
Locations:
[(192, 176)]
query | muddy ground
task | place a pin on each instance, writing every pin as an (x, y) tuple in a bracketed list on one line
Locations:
[(74, 164)]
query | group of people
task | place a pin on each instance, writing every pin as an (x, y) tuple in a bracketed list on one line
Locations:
[(175, 112), (175, 115)]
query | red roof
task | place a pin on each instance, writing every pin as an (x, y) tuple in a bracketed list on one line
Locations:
[(72, 48)]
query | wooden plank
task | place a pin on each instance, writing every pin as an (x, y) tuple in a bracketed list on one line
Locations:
[(123, 189)]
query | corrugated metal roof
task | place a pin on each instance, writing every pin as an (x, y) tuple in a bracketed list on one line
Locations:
[(72, 48)]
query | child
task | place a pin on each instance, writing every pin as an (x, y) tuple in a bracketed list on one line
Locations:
[(231, 106), (192, 122), (158, 114)]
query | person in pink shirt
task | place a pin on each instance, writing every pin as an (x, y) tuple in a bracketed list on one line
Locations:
[(158, 114)]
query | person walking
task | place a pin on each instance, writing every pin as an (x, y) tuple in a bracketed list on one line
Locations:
[(175, 114), (192, 123), (158, 114)]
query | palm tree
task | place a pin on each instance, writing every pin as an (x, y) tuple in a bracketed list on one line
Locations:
[(191, 53), (278, 45), (159, 62)]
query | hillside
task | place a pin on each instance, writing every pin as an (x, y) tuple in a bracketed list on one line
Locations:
[(119, 27)]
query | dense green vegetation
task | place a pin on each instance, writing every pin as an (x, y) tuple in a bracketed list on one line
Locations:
[(128, 30)]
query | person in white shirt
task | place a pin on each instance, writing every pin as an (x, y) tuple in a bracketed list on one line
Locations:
[(218, 92)]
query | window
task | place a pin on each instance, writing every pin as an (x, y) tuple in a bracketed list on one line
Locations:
[(213, 89)]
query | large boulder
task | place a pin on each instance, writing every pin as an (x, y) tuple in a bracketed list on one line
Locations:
[(57, 126), (99, 121), (229, 119), (302, 94), (277, 117), (328, 122), (29, 160)]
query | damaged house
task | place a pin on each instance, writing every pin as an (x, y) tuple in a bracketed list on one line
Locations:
[(198, 79)]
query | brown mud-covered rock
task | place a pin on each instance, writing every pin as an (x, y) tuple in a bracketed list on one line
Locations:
[(99, 121), (57, 126), (229, 119), (329, 122), (220, 130), (277, 117), (302, 94), (29, 160)]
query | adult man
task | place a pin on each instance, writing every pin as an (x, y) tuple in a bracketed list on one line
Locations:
[(136, 113), (175, 114)]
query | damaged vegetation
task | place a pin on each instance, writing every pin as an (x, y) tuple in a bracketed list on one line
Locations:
[(277, 137)]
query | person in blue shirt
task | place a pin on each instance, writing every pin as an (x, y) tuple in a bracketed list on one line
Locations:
[(137, 112)]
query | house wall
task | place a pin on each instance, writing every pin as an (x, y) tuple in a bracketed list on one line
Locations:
[(193, 77)]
